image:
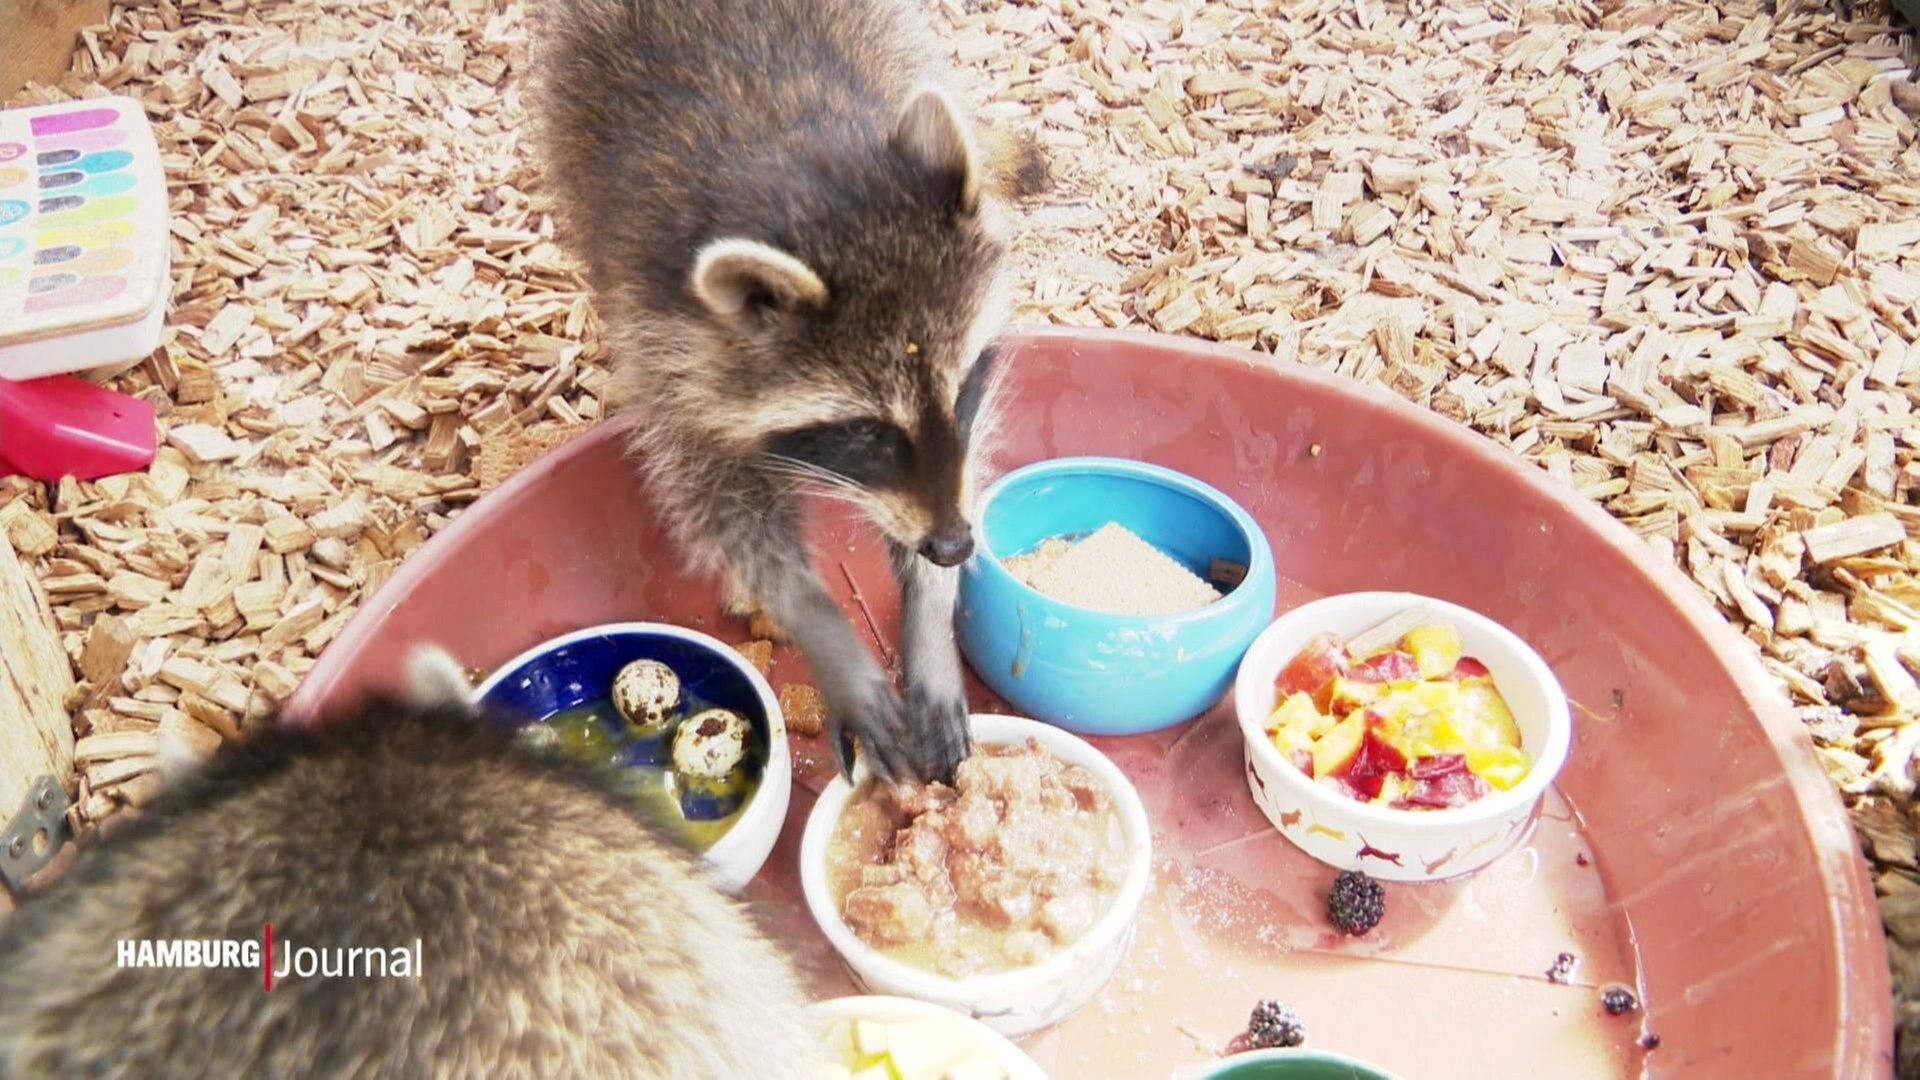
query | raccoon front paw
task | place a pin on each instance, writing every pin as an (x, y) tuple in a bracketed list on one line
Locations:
[(871, 712), (742, 605), (942, 736)]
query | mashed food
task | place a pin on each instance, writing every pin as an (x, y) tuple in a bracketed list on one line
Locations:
[(1114, 571), (1019, 858)]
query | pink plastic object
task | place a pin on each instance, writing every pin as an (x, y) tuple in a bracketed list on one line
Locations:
[(1692, 847), (62, 426)]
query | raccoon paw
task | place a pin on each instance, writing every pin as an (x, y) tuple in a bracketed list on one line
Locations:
[(873, 713), (741, 604), (941, 735)]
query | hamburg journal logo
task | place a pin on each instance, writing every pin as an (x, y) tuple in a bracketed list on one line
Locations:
[(275, 960)]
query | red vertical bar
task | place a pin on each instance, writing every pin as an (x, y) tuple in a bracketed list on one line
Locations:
[(267, 968)]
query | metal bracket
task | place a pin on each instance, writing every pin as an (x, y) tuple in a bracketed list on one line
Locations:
[(34, 835)]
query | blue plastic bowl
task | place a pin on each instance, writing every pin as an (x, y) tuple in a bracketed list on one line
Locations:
[(577, 669), (1089, 671)]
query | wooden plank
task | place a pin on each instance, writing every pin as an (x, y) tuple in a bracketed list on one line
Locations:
[(1853, 536), (36, 734)]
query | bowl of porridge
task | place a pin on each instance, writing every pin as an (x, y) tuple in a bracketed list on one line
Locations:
[(1009, 896), (1109, 596)]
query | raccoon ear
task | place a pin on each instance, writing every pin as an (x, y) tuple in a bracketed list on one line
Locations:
[(930, 131), (729, 275), (435, 679)]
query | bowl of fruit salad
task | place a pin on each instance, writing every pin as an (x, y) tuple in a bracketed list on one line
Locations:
[(1398, 734), (891, 1038)]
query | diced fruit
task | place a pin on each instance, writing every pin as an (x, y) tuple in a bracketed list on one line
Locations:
[(1435, 696), (922, 1049), (1314, 666), (1427, 768), (1393, 666), (1483, 704), (1502, 766), (1377, 760), (1354, 725), (1296, 723), (940, 1048), (1469, 668), (1350, 694), (1298, 711), (980, 1065), (1333, 751), (870, 1036), (1456, 788), (837, 1041), (1435, 648)]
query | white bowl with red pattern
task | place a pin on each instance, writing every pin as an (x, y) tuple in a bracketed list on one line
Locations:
[(1020, 1000), (1387, 843)]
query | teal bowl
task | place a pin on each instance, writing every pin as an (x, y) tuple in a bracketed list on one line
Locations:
[(1089, 671), (1290, 1064)]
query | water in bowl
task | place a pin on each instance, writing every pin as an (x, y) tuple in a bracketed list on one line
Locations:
[(595, 734)]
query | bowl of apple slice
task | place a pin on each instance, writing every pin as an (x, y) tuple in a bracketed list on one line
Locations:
[(1397, 734), (873, 1037)]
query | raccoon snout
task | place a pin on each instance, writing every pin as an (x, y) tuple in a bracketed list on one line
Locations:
[(951, 545)]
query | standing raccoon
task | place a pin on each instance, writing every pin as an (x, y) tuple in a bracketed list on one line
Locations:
[(557, 935), (796, 253)]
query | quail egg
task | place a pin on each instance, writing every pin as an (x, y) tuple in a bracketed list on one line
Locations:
[(711, 745), (646, 692)]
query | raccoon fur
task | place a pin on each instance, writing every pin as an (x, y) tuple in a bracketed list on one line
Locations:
[(795, 243), (558, 934)]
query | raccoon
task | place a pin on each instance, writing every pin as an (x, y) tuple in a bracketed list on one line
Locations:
[(796, 245), (558, 934)]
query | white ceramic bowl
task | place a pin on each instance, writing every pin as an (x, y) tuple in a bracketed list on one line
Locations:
[(893, 1009), (735, 858), (1400, 845), (1021, 1000)]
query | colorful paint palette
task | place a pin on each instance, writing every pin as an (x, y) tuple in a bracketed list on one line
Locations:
[(83, 237)]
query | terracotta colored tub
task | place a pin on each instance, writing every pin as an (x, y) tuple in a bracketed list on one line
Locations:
[(1692, 849)]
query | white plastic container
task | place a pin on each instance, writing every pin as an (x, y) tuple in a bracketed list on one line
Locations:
[(84, 246)]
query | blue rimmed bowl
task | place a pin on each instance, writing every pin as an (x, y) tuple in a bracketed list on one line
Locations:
[(577, 669), (1090, 671)]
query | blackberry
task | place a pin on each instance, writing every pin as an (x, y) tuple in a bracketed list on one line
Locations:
[(1562, 968), (1617, 1000), (1356, 902), (1274, 1024)]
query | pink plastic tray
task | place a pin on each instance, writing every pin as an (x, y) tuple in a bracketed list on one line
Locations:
[(1693, 847)]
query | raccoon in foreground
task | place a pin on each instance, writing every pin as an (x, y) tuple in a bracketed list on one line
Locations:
[(557, 935), (796, 250)]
